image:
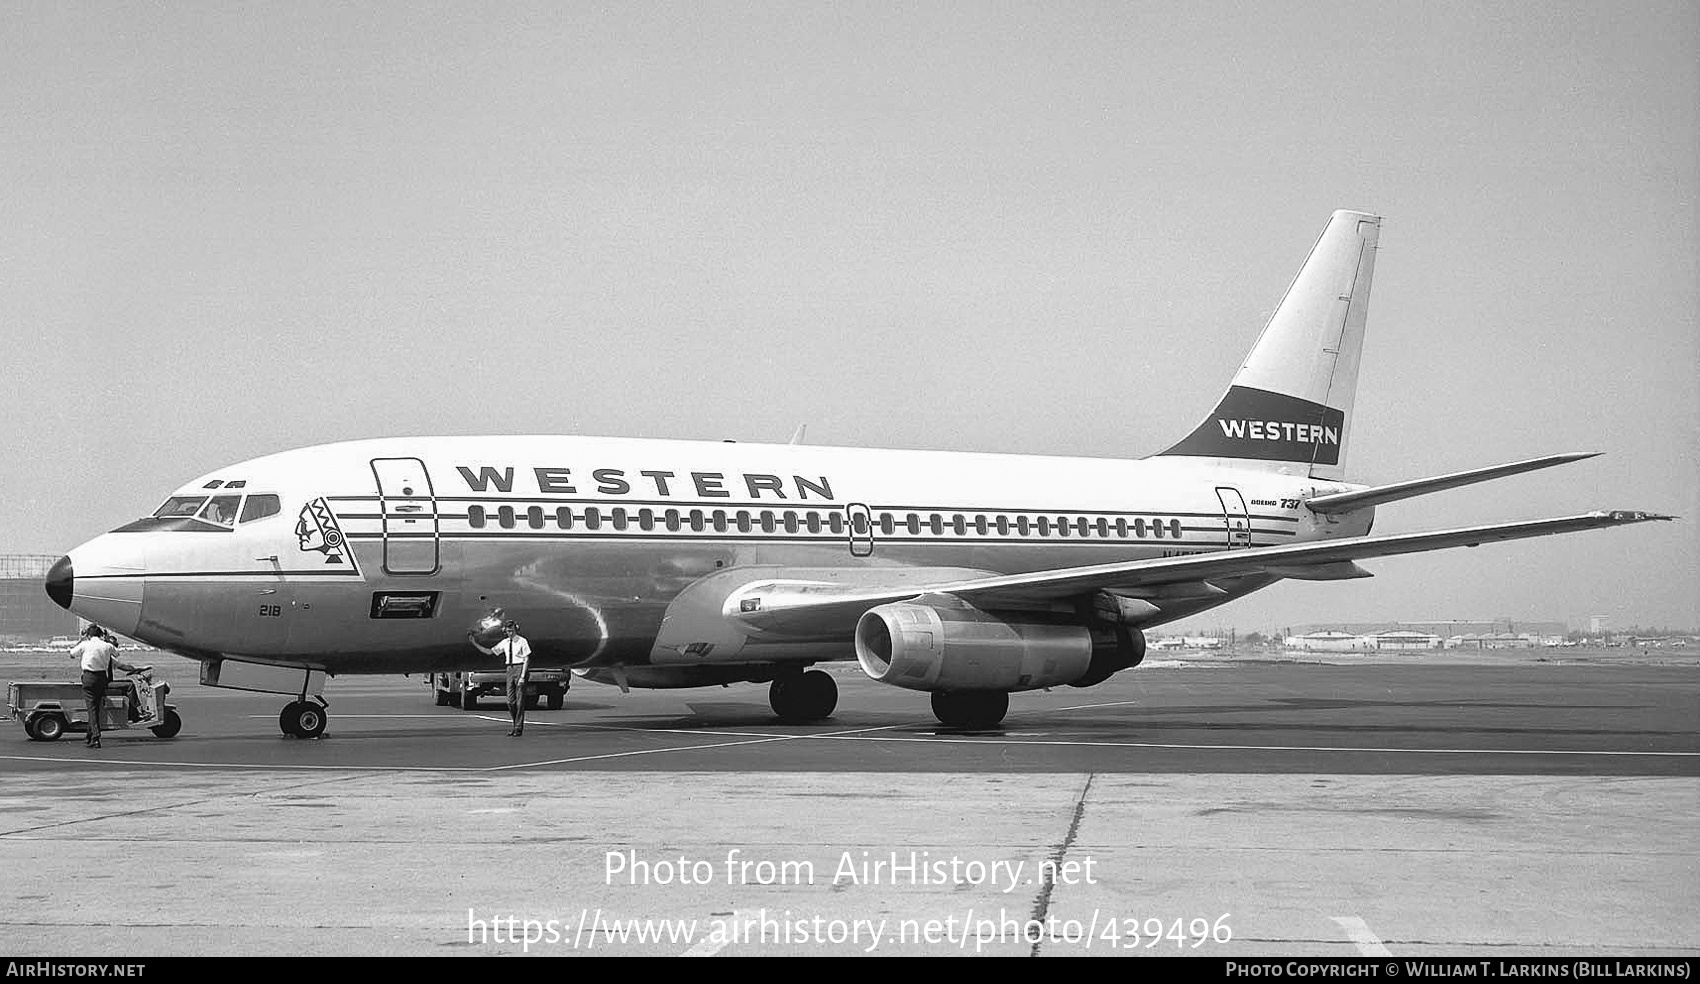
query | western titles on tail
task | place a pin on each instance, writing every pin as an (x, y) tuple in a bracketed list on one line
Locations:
[(1290, 405)]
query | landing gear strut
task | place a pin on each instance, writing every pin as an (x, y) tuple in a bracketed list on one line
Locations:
[(802, 697), (971, 710)]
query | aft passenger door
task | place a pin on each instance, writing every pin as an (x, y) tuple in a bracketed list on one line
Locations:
[(409, 509), (1235, 517)]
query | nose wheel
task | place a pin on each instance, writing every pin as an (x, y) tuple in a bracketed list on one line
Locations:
[(304, 718)]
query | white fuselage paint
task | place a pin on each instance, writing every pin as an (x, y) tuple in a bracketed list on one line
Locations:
[(588, 541)]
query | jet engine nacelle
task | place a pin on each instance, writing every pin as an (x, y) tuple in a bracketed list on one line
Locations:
[(923, 647), (1123, 650)]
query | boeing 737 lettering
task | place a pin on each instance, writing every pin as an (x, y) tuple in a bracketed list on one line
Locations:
[(645, 563)]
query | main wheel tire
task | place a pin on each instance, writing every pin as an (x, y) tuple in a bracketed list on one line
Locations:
[(556, 699), (47, 727), (533, 701), (286, 720), (169, 727), (468, 700), (442, 697), (820, 695), (810, 696), (970, 710), (309, 719), (780, 698)]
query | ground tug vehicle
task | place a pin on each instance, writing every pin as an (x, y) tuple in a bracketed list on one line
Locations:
[(48, 708)]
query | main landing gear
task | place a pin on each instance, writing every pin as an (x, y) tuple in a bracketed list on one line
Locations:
[(970, 710), (802, 697)]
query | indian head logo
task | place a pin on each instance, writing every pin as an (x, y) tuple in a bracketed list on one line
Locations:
[(317, 530)]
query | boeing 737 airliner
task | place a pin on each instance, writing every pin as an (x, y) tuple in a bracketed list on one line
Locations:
[(684, 564)]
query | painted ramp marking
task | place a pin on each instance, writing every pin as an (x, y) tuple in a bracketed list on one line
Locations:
[(1358, 931)]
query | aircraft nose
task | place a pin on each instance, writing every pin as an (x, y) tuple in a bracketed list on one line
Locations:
[(103, 581), (61, 578)]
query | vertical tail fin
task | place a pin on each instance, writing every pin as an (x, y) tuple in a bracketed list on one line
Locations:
[(1290, 405)]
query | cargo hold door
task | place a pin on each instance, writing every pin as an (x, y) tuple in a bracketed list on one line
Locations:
[(409, 509)]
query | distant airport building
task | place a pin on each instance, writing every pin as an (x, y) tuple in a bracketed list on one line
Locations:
[(26, 613), (1331, 641), (1444, 629), (1185, 642), (1503, 640), (1405, 639), (1420, 636)]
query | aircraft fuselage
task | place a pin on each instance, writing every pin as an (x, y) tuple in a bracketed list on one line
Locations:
[(377, 556)]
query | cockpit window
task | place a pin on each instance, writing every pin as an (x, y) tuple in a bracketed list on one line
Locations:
[(189, 514), (259, 507), (221, 510), (180, 505)]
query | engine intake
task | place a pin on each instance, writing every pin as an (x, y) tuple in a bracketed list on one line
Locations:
[(924, 647)]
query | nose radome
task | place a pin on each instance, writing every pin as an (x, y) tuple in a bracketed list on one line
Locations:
[(61, 580), (103, 581)]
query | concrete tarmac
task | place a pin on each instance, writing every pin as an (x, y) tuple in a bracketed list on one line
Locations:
[(1229, 808)]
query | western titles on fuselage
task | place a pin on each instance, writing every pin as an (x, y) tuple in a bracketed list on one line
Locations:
[(666, 484)]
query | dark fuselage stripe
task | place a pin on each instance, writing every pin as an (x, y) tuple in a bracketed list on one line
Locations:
[(791, 504)]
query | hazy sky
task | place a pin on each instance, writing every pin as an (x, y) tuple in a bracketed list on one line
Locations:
[(230, 229)]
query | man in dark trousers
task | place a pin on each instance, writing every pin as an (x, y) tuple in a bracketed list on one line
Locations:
[(516, 652), (97, 657)]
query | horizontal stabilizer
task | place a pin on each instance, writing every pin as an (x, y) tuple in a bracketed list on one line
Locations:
[(1346, 501)]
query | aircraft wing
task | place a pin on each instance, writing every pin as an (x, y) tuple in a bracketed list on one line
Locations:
[(802, 608)]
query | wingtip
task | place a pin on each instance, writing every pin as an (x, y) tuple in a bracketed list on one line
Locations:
[(1633, 516)]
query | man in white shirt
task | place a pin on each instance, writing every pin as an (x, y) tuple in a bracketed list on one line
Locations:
[(516, 652), (97, 657)]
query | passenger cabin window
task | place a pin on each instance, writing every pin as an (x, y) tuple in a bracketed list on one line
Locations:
[(259, 507)]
